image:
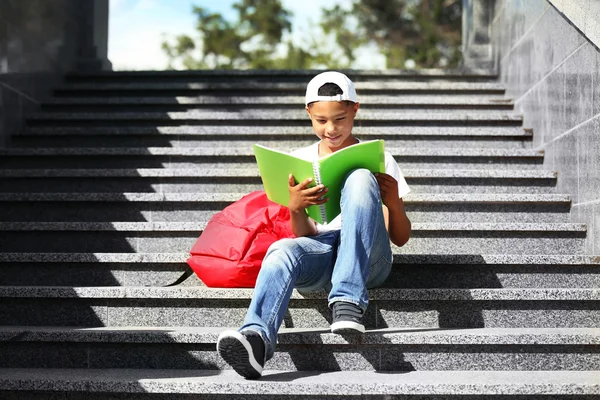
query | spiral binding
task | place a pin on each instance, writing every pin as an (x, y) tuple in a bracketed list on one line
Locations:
[(317, 174)]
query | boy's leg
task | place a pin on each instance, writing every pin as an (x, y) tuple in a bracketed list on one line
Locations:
[(304, 261), (364, 253)]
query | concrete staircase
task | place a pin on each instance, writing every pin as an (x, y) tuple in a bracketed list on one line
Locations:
[(105, 192)]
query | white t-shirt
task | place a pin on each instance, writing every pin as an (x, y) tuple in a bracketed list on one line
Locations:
[(311, 153)]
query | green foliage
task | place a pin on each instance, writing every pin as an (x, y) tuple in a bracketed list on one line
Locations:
[(253, 41), (425, 31)]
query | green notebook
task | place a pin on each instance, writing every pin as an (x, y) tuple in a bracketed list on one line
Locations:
[(275, 167)]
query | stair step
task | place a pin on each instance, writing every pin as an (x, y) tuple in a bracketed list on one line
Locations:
[(219, 198), (253, 173), (259, 88), (245, 136), (409, 271), (218, 158), (432, 238), (525, 181), (273, 132), (502, 137), (201, 306), (380, 294), (281, 117), (279, 75), (24, 141), (245, 152), (367, 102), (390, 349), (138, 384), (307, 336), (88, 207)]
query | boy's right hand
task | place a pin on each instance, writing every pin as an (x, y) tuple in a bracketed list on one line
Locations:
[(302, 196)]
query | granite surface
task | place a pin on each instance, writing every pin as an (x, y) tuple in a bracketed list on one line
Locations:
[(99, 184), (549, 62), (366, 101), (124, 292), (409, 271), (309, 336), (511, 174), (505, 142), (302, 313), (282, 74), (197, 227), (257, 86), (94, 257), (399, 258), (230, 197), (431, 238), (584, 15), (226, 130), (306, 383), (391, 117), (226, 151), (192, 207)]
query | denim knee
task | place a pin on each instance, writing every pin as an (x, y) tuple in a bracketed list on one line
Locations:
[(360, 185), (280, 254)]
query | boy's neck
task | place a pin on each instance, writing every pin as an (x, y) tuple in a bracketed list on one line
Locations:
[(325, 150)]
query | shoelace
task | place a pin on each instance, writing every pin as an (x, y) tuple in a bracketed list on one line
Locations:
[(347, 309)]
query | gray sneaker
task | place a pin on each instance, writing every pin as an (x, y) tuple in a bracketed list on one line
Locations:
[(347, 318), (243, 351)]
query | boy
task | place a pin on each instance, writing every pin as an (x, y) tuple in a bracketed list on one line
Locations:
[(345, 260)]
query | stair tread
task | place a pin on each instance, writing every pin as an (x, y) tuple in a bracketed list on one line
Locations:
[(246, 172), (372, 100), (390, 84), (304, 382), (202, 292), (283, 73), (376, 132), (317, 335), (281, 116), (450, 198), (199, 226), (420, 259), (247, 151)]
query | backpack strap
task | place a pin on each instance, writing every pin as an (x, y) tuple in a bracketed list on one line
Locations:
[(182, 278)]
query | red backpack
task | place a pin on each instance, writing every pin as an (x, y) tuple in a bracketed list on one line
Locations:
[(230, 250)]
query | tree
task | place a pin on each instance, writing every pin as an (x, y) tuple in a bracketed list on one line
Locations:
[(253, 41), (428, 32), (425, 31)]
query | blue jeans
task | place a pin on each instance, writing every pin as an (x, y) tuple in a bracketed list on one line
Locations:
[(345, 262)]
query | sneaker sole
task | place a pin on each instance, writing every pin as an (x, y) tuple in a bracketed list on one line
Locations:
[(233, 350), (343, 327)]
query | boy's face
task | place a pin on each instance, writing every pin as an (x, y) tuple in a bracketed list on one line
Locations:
[(332, 121)]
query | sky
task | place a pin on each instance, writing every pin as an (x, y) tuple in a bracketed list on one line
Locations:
[(137, 28)]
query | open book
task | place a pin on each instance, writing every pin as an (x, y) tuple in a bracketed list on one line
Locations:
[(275, 167)]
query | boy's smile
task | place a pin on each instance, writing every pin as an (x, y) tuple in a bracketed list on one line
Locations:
[(332, 121)]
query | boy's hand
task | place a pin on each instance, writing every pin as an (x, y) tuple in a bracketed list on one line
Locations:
[(388, 187), (301, 196)]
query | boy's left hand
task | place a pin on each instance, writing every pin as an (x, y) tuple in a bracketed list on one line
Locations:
[(388, 187)]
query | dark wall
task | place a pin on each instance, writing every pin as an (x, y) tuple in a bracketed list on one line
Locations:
[(40, 41)]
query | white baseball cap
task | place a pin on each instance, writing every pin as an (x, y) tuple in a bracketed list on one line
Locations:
[(348, 89)]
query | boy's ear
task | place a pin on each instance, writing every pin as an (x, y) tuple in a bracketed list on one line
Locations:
[(356, 105)]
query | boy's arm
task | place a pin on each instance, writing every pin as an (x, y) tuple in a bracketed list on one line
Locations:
[(397, 223), (300, 198)]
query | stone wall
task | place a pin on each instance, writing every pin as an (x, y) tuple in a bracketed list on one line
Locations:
[(40, 41), (476, 35), (547, 55)]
